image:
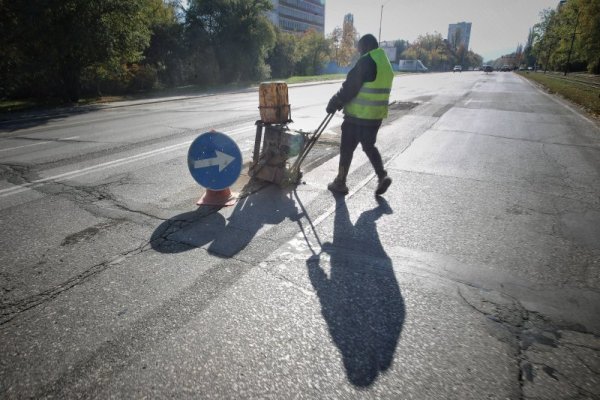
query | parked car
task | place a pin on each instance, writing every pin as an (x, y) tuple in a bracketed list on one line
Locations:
[(505, 68), (457, 68)]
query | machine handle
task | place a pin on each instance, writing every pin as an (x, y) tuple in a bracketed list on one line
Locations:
[(310, 143)]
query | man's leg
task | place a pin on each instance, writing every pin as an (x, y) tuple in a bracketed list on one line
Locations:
[(348, 144), (368, 138)]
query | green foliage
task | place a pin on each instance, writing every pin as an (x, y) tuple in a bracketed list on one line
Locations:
[(56, 40), (314, 53), (284, 56), (438, 55), (568, 38), (401, 46), (231, 38), (342, 42)]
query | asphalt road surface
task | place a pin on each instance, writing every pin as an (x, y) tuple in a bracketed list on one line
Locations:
[(476, 276)]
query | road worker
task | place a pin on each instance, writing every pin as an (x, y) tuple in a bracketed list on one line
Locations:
[(364, 96)]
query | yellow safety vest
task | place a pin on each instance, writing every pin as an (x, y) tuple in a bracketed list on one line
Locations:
[(372, 100)]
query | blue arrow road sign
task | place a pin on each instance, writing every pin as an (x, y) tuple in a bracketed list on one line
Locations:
[(214, 160)]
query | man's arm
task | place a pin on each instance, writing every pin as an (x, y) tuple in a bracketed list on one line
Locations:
[(365, 70)]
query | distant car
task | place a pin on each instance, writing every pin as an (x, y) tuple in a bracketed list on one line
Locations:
[(457, 68), (505, 68), (488, 68)]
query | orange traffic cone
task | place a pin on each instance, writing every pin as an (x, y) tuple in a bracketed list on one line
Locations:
[(217, 198)]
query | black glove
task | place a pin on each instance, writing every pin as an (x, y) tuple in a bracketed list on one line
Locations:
[(333, 105)]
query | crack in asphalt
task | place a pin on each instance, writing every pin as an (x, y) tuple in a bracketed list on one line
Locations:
[(505, 185), (552, 372), (10, 311), (582, 361), (520, 139), (87, 196), (527, 329), (17, 174)]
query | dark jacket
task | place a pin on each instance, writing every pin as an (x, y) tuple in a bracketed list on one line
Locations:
[(365, 70)]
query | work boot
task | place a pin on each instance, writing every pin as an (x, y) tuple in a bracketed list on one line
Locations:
[(338, 186), (384, 184)]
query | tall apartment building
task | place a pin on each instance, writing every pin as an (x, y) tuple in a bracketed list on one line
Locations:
[(459, 34), (349, 19), (298, 15)]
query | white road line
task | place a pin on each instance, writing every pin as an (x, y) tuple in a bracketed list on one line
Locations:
[(93, 168), (25, 145), (37, 144), (122, 161), (239, 130)]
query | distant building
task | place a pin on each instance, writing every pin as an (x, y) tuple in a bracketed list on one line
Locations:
[(390, 50), (298, 15), (349, 19), (459, 34)]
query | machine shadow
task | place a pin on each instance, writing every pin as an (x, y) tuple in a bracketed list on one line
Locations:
[(225, 237), (360, 297)]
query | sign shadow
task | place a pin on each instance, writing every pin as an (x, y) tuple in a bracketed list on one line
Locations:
[(225, 237), (359, 295)]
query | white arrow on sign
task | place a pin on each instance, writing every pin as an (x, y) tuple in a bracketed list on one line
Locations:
[(222, 160)]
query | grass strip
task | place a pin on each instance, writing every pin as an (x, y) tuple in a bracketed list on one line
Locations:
[(579, 93), (314, 78)]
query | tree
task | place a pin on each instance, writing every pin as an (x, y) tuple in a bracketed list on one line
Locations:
[(473, 60), (313, 49), (588, 40), (400, 46), (284, 56), (166, 49), (570, 34), (347, 52), (431, 49), (546, 39), (528, 55), (58, 39), (518, 55), (335, 40), (229, 39)]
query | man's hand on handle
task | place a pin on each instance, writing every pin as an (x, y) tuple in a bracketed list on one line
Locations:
[(334, 105)]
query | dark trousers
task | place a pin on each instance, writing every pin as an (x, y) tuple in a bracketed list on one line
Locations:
[(352, 135)]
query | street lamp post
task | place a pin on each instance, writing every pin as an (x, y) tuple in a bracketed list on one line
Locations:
[(380, 19)]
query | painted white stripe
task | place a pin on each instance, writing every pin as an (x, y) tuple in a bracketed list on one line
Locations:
[(239, 130), (25, 145), (38, 143), (94, 168)]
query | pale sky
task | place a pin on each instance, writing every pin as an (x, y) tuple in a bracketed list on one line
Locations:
[(498, 26)]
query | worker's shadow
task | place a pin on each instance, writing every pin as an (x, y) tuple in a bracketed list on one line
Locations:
[(359, 294), (225, 238)]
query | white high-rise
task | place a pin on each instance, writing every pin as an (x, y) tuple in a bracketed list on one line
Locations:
[(459, 34), (298, 15)]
